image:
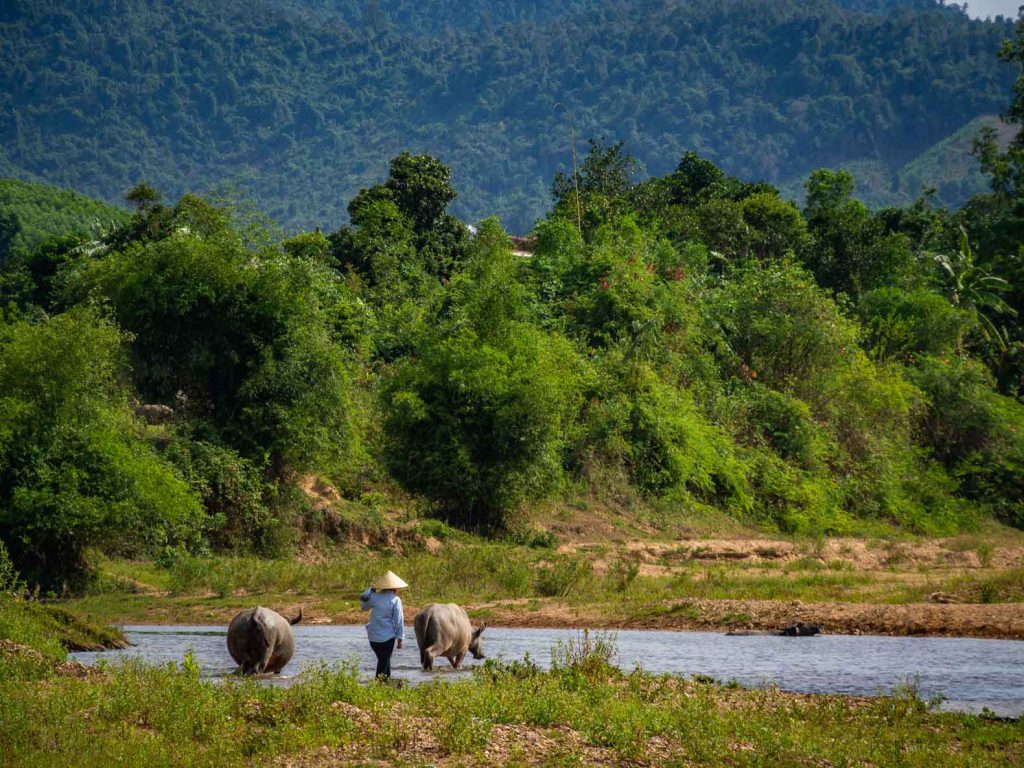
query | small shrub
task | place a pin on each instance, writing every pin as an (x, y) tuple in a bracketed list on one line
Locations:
[(10, 582), (562, 576), (590, 654), (897, 555), (517, 669), (534, 538), (985, 551), (463, 733), (437, 529), (624, 570)]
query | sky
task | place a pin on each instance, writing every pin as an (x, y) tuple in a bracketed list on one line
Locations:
[(984, 8)]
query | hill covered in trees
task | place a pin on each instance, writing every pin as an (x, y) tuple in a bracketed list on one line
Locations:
[(304, 101), (692, 343), (31, 214)]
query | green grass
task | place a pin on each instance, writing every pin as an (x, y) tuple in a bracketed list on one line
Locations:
[(581, 712), (36, 636), (44, 626), (136, 715), (498, 582), (473, 573)]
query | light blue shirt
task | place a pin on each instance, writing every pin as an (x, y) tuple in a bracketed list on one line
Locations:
[(386, 619)]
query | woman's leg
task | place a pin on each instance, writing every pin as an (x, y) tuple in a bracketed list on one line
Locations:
[(383, 653)]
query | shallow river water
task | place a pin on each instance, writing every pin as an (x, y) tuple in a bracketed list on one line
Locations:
[(970, 674)]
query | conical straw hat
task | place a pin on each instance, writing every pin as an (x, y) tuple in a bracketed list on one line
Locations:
[(389, 581)]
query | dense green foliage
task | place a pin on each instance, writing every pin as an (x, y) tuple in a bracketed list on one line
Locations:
[(239, 342), (305, 100), (693, 338), (30, 214), (477, 417), (74, 471)]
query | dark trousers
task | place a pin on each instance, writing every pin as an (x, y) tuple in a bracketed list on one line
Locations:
[(383, 653)]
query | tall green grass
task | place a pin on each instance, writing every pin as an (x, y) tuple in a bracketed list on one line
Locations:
[(133, 715), (474, 573)]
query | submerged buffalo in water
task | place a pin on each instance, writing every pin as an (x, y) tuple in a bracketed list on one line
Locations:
[(444, 630), (261, 640), (796, 629)]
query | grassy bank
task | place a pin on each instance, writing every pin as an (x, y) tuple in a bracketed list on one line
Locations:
[(693, 584), (581, 713), (35, 637)]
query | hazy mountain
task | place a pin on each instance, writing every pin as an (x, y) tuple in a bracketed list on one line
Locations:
[(305, 101)]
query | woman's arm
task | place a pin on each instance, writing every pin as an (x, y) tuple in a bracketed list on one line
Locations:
[(364, 599), (399, 620)]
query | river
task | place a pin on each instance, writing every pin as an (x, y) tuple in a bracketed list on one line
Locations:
[(970, 674)]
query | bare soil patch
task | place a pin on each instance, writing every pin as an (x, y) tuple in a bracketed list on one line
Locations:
[(861, 554), (1005, 621)]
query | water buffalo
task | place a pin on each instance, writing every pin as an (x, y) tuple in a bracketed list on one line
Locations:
[(444, 630), (796, 629), (261, 640)]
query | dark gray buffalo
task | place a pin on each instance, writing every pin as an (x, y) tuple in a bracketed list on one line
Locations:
[(261, 640), (444, 630)]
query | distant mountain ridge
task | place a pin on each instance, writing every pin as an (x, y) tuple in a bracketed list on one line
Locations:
[(304, 103), (437, 15)]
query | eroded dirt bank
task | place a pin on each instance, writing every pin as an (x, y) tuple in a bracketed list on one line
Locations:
[(1003, 621)]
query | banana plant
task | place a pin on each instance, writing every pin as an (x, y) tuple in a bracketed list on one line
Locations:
[(972, 287)]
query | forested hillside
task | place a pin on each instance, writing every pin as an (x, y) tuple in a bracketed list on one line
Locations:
[(31, 214), (437, 15), (304, 101), (690, 344)]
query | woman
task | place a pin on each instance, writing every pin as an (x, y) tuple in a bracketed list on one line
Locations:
[(386, 627)]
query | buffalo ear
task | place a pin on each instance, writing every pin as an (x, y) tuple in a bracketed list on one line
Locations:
[(480, 630)]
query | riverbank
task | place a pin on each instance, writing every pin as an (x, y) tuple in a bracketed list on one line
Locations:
[(967, 586), (1002, 621), (582, 712)]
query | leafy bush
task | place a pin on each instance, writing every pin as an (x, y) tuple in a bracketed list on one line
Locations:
[(623, 571), (241, 339), (901, 325), (533, 538), (627, 287), (562, 576), (976, 433), (591, 655), (10, 582), (779, 327), (658, 433), (786, 424), (795, 500), (477, 418), (75, 470), (232, 490)]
